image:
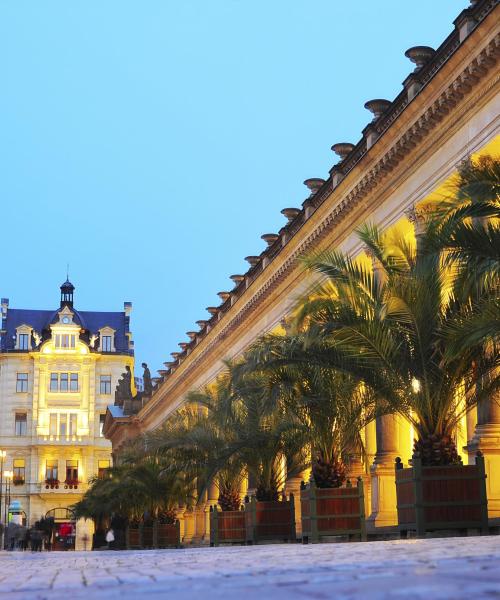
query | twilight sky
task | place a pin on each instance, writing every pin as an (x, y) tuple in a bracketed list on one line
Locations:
[(150, 143)]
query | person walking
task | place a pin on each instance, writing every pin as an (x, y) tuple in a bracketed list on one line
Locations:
[(110, 539)]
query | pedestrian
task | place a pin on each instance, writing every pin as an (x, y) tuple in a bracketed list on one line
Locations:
[(110, 539)]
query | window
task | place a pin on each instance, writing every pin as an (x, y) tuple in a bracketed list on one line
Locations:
[(63, 425), (65, 340), (73, 420), (23, 343), (73, 382), (102, 468), (54, 382), (21, 422), (106, 343), (18, 471), (72, 471), (22, 382), (105, 387), (102, 418), (53, 424), (63, 382), (51, 470)]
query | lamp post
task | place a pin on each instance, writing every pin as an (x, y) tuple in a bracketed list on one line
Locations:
[(8, 479)]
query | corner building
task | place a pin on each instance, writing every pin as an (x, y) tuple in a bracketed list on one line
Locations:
[(58, 371)]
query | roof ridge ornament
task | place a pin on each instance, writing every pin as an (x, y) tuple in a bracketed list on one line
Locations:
[(343, 149), (420, 56)]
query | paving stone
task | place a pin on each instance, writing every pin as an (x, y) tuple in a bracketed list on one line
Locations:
[(434, 569)]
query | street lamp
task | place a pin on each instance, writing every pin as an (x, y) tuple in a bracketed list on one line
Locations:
[(8, 479)]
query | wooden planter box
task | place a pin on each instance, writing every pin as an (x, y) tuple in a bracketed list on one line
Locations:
[(434, 498), (270, 521), (168, 535), (332, 511), (227, 527), (133, 537), (147, 536), (157, 535)]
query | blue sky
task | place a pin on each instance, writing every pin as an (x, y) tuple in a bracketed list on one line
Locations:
[(151, 143)]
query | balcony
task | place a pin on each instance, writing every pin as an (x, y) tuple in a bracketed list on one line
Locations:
[(70, 486)]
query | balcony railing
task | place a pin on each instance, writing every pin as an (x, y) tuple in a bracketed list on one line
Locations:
[(62, 487), (52, 484)]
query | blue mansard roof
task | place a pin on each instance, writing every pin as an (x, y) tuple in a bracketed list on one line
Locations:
[(40, 321)]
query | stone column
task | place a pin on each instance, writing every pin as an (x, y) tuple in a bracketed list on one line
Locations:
[(487, 439), (370, 441), (212, 497), (383, 487), (292, 486)]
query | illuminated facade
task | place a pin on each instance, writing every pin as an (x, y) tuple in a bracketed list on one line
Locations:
[(58, 372), (447, 111)]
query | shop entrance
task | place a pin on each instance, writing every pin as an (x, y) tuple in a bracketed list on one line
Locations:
[(63, 536)]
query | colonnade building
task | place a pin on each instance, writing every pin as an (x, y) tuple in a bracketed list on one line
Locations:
[(58, 371), (447, 111)]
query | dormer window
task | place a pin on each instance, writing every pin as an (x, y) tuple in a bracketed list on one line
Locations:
[(23, 338), (107, 337), (106, 343), (23, 341)]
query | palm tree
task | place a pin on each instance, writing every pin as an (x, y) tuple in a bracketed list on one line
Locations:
[(143, 487), (196, 437), (332, 406), (268, 442), (466, 224), (393, 329)]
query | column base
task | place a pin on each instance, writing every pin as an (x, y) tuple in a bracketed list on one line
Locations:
[(487, 440), (292, 486), (383, 494)]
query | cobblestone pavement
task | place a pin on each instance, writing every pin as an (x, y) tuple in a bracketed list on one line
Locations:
[(434, 569)]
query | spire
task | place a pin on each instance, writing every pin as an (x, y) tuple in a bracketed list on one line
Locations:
[(67, 289)]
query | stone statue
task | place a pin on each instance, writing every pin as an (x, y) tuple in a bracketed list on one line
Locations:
[(38, 338), (148, 384), (93, 340), (123, 390)]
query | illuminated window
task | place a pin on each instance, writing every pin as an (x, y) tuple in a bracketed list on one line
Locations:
[(63, 382), (73, 421), (23, 341), (102, 418), (106, 343), (51, 470), (53, 424), (21, 423), (18, 469), (71, 471), (54, 382), (63, 425), (102, 468), (73, 382), (65, 340), (105, 385), (22, 382)]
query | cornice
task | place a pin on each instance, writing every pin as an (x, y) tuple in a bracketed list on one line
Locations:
[(423, 127)]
